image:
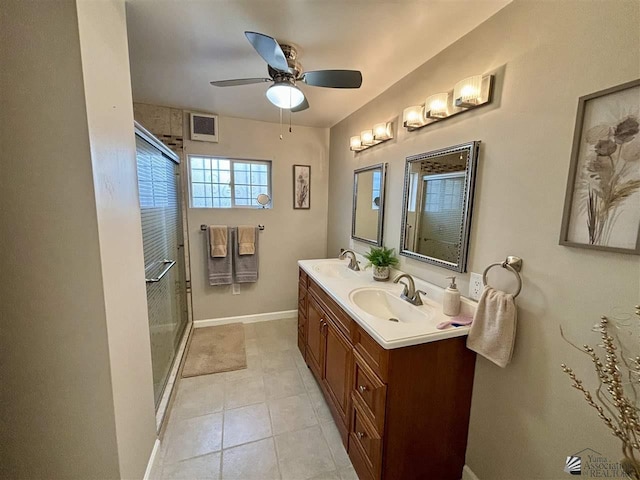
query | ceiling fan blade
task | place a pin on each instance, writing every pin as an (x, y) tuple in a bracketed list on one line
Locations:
[(269, 49), (303, 106), (333, 78), (239, 81)]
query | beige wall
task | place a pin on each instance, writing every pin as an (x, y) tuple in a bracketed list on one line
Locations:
[(526, 418), (77, 398), (103, 42), (289, 235), (56, 400)]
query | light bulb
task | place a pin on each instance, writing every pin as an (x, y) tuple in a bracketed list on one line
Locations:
[(285, 95), (355, 143), (466, 93), (367, 138), (382, 131), (413, 116), (436, 105)]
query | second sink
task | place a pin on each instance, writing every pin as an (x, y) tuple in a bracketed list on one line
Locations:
[(384, 305), (335, 268)]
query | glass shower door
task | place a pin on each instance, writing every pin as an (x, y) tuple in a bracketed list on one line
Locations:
[(159, 184)]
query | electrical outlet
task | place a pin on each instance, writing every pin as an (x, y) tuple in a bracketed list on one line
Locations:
[(235, 289), (475, 286)]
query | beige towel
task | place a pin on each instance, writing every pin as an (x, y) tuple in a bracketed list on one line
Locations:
[(246, 239), (493, 331), (220, 269), (218, 240)]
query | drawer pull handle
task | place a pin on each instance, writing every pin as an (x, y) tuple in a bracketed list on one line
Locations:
[(361, 435), (362, 388)]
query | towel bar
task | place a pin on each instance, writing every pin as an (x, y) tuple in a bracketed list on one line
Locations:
[(511, 263), (203, 227)]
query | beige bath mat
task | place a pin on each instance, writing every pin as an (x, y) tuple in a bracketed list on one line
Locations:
[(215, 349)]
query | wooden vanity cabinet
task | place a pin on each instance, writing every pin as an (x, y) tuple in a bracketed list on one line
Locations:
[(302, 312), (402, 413)]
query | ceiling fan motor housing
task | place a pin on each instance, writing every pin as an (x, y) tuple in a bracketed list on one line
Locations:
[(295, 68)]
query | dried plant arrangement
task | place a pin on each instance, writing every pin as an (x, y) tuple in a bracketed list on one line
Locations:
[(616, 397)]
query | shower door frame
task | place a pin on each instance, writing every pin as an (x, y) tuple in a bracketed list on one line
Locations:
[(168, 391)]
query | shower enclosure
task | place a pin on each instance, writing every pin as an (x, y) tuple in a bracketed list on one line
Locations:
[(162, 235)]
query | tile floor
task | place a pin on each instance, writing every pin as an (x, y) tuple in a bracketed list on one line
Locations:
[(267, 422)]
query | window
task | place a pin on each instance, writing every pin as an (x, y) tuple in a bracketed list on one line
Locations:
[(226, 183), (443, 192), (375, 190)]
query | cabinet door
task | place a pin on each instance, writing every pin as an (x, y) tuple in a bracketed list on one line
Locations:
[(315, 337), (337, 368)]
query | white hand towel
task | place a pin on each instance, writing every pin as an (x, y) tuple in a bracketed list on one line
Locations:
[(493, 331)]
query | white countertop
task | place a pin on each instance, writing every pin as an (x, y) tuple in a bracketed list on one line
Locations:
[(389, 334)]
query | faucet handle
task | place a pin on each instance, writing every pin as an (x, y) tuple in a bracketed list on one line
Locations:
[(405, 288), (417, 300)]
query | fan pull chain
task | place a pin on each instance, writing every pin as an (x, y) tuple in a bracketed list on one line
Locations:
[(280, 124), (289, 120)]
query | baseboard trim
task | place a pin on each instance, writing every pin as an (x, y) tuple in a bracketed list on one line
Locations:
[(467, 474), (152, 458), (258, 317)]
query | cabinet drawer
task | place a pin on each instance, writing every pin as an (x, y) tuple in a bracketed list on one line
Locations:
[(358, 460), (371, 392), (376, 357), (364, 437)]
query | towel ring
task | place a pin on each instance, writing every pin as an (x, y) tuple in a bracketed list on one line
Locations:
[(513, 264)]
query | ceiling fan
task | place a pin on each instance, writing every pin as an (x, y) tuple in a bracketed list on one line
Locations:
[(285, 71)]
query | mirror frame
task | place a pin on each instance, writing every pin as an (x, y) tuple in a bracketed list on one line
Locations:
[(383, 182), (469, 185)]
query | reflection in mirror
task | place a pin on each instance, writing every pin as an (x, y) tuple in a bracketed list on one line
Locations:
[(368, 204), (438, 196)]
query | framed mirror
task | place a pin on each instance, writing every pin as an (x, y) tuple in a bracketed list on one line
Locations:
[(368, 204), (437, 204)]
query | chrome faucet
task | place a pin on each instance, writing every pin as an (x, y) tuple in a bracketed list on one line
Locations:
[(409, 292), (353, 262)]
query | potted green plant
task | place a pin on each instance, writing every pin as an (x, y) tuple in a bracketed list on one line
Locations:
[(381, 258)]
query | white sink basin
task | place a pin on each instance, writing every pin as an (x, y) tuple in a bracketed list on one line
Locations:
[(335, 269), (386, 305)]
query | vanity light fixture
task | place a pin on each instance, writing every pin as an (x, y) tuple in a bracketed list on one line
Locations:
[(437, 106), (467, 94), (413, 117), (356, 144), (366, 137), (381, 132)]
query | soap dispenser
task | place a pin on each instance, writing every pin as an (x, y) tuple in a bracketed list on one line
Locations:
[(451, 302)]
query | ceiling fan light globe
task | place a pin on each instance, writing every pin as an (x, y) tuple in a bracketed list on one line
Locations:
[(283, 95)]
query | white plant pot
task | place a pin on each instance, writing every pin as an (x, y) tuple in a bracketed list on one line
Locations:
[(381, 274)]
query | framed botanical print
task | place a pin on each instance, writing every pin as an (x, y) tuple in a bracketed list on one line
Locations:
[(301, 187), (602, 203)]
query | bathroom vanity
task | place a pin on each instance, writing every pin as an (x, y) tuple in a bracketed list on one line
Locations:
[(399, 390)]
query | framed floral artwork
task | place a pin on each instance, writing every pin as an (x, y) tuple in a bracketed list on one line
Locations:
[(602, 203), (301, 187)]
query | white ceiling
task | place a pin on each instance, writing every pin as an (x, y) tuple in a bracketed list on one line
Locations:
[(178, 46)]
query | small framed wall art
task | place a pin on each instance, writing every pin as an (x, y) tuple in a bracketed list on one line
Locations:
[(301, 187), (602, 203)]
